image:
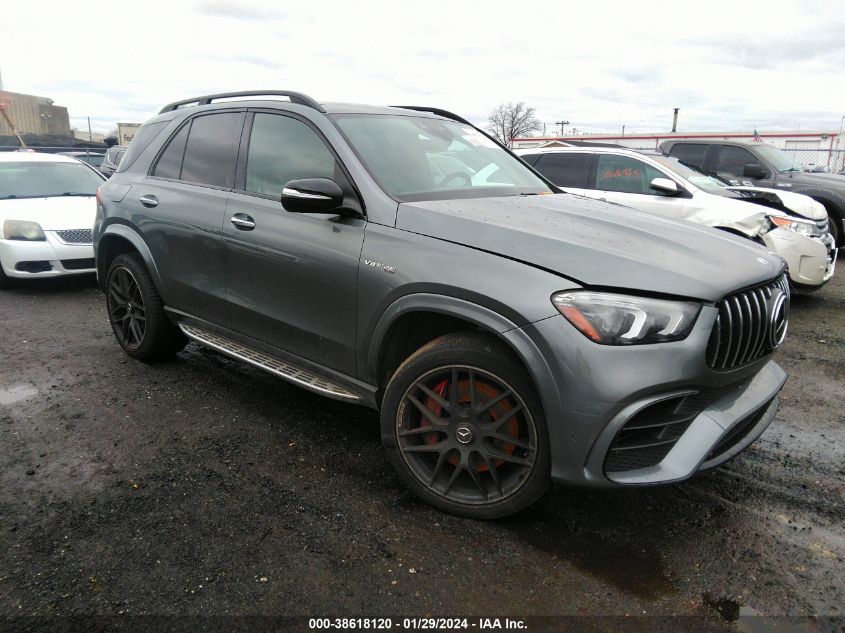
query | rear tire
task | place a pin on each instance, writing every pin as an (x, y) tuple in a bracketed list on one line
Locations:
[(464, 428), (136, 311)]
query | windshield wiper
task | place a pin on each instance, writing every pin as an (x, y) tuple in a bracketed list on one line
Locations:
[(76, 193)]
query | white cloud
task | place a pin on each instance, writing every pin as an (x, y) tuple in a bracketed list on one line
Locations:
[(600, 65)]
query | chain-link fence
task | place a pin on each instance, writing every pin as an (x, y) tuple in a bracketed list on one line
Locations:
[(821, 160)]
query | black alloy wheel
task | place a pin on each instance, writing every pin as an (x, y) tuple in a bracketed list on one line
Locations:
[(127, 313), (466, 435)]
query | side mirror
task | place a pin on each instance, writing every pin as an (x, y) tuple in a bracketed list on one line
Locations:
[(753, 170), (665, 185), (312, 195)]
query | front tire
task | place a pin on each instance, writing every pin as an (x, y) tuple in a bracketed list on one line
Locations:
[(136, 311), (5, 281), (463, 426)]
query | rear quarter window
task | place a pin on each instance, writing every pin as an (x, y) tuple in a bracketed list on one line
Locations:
[(143, 137)]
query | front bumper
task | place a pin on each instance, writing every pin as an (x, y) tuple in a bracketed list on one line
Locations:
[(811, 260), (590, 392), (51, 258)]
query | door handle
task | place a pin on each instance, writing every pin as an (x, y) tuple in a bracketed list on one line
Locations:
[(242, 222), (149, 201)]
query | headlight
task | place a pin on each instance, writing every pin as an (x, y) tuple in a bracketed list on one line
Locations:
[(804, 227), (612, 319), (23, 230)]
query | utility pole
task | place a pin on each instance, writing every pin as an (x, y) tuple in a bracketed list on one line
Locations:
[(675, 120), (561, 124), (623, 130), (90, 137)]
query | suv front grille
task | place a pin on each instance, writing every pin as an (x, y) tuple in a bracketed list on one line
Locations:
[(76, 236), (750, 324)]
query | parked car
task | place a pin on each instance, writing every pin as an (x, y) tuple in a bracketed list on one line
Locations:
[(791, 225), (509, 334), (110, 163), (762, 165), (95, 159), (47, 210)]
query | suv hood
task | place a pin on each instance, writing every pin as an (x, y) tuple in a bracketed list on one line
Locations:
[(597, 244)]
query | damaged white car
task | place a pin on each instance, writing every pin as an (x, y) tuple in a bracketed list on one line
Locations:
[(791, 225)]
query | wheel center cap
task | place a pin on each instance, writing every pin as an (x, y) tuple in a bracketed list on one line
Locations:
[(464, 434)]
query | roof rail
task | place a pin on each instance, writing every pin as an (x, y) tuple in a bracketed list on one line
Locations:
[(444, 113), (295, 97)]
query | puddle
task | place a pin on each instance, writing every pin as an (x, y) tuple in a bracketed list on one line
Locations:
[(15, 393), (634, 571)]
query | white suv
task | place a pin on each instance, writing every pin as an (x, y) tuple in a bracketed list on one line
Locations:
[(791, 225), (47, 209)]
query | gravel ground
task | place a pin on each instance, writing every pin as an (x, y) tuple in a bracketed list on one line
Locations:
[(201, 486)]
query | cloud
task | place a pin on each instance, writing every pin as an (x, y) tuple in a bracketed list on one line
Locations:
[(234, 9), (728, 66)]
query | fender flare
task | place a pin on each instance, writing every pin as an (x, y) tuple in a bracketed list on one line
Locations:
[(128, 234), (429, 302), (516, 338)]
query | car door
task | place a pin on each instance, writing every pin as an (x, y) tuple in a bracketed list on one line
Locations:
[(291, 276), (568, 170), (731, 162), (181, 211), (627, 180)]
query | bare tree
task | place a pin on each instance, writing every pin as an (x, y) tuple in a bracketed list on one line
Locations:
[(510, 120)]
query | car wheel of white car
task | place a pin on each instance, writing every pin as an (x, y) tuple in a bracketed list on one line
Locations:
[(5, 282)]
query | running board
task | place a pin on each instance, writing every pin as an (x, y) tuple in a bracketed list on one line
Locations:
[(289, 372)]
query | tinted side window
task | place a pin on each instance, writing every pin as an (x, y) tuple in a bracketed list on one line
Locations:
[(625, 174), (690, 153), (732, 160), (565, 170), (282, 149), (212, 148), (170, 162), (139, 143), (531, 159)]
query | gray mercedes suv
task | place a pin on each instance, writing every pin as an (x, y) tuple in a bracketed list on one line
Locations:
[(510, 334)]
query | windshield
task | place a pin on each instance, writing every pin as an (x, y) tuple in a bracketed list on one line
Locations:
[(46, 179), (421, 158), (700, 180), (781, 161)]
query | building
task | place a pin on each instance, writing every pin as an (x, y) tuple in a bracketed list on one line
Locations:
[(84, 135), (809, 149), (126, 132), (33, 115)]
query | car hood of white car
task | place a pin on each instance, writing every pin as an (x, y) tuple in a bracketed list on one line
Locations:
[(798, 203), (54, 213)]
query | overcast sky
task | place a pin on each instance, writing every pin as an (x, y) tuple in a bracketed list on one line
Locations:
[(598, 64)]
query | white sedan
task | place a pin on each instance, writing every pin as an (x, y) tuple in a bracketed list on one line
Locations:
[(47, 209)]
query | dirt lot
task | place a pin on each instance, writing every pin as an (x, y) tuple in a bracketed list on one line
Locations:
[(202, 486)]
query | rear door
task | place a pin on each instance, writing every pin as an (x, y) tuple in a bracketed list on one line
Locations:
[(568, 170), (181, 210), (292, 276)]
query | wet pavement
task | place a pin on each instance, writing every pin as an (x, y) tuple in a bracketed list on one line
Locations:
[(201, 486)]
